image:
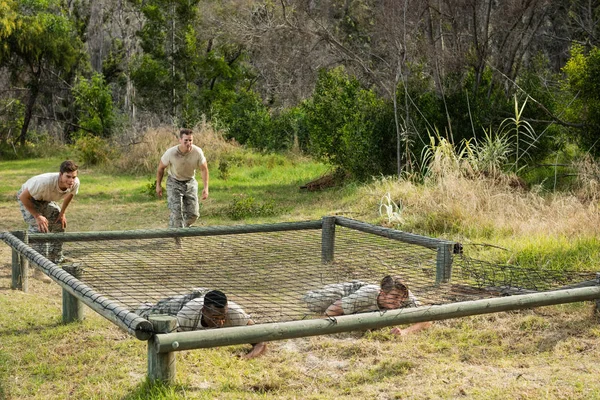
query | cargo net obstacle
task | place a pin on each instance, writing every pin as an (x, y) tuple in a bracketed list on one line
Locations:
[(268, 269)]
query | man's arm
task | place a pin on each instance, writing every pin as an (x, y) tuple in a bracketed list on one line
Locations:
[(26, 199), (419, 326), (335, 309), (63, 210), (258, 349), (160, 172), (204, 174)]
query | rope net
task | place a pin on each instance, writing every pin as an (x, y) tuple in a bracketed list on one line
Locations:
[(268, 274)]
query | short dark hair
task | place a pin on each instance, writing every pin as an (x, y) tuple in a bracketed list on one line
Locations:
[(185, 131), (215, 299), (68, 166), (389, 283)]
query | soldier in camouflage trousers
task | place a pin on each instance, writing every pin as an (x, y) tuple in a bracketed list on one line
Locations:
[(182, 200), (182, 187), (37, 200)]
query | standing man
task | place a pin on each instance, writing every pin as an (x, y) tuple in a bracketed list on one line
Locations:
[(182, 187), (37, 200)]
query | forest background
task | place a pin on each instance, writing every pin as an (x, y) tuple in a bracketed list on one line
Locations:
[(363, 85), (477, 121)]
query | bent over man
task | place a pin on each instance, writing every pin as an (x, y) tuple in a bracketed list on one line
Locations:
[(182, 187), (37, 199)]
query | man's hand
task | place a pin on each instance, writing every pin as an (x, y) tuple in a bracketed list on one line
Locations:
[(398, 331), (258, 350), (42, 223), (419, 326), (63, 220), (159, 191), (204, 193)]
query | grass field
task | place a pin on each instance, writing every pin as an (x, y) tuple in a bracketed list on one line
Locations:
[(544, 353)]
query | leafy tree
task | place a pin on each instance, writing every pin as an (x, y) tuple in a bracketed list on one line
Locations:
[(39, 45), (180, 70), (95, 106), (349, 126), (583, 80)]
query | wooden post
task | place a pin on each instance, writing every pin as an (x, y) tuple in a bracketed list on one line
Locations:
[(597, 301), (72, 308), (443, 263), (17, 283), (20, 266), (327, 240), (161, 366)]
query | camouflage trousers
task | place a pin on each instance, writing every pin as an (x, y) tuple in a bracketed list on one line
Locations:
[(49, 209), (182, 200)]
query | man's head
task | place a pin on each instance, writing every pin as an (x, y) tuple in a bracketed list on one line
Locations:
[(393, 293), (214, 310), (186, 139), (67, 175)]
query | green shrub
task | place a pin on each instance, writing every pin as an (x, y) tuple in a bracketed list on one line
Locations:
[(92, 150), (350, 127), (245, 119), (224, 170), (149, 188), (247, 207), (93, 99), (583, 81)]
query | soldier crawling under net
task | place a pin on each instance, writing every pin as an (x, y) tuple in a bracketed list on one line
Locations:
[(356, 296), (203, 309)]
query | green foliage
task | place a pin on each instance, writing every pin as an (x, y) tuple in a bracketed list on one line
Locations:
[(559, 254), (541, 84), (8, 20), (290, 127), (170, 64), (350, 127), (149, 188), (583, 80), (92, 150), (155, 390), (11, 119), (491, 153), (441, 157), (520, 131), (94, 104), (247, 207), (183, 71), (224, 169), (40, 49), (245, 119), (42, 33)]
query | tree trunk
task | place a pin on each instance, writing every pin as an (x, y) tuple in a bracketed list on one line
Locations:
[(33, 94)]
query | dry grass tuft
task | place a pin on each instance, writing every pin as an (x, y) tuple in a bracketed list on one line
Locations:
[(587, 184), (215, 146), (141, 157), (475, 205)]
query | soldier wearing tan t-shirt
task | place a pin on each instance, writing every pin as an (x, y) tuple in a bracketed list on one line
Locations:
[(202, 309), (356, 296), (182, 188), (37, 199)]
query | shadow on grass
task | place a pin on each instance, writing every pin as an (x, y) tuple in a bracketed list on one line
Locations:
[(29, 330), (155, 390)]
